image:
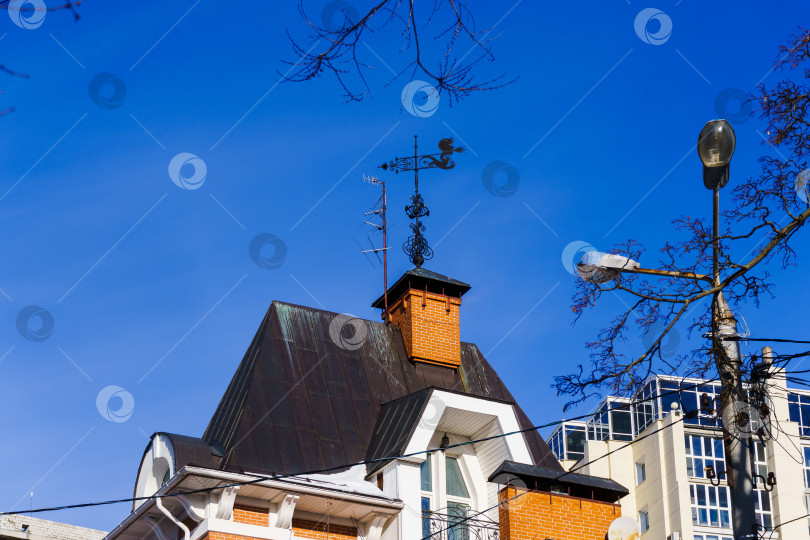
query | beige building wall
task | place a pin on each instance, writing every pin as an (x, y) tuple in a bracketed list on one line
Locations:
[(664, 494)]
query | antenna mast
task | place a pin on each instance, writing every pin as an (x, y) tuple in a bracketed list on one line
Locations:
[(380, 210)]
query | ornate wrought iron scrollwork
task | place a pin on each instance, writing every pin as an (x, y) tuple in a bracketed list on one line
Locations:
[(416, 246), (417, 208), (449, 527)]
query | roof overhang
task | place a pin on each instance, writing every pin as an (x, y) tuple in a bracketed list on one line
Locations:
[(542, 479), (454, 412), (191, 482)]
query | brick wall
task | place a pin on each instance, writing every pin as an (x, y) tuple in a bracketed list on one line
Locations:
[(303, 528), (224, 536), (251, 515), (431, 331), (538, 514)]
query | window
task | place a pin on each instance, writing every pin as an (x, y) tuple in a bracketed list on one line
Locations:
[(426, 513), (457, 512), (444, 506), (166, 477), (806, 450), (711, 537), (760, 465), (688, 397), (807, 506), (599, 425), (458, 500), (646, 410), (621, 423), (568, 441), (455, 480), (710, 505), (574, 442), (555, 443), (641, 473), (644, 521), (424, 471), (612, 421), (762, 503), (799, 409), (702, 452)]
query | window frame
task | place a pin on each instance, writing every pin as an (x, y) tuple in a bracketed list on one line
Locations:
[(644, 523), (714, 460), (695, 506), (468, 485), (640, 478)]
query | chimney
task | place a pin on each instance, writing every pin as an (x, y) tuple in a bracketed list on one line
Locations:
[(425, 305)]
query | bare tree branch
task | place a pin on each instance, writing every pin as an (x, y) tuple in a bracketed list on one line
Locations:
[(771, 208), (29, 8), (447, 72)]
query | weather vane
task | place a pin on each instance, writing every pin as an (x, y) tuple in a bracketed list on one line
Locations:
[(416, 246)]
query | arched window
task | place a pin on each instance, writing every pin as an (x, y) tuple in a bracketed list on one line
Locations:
[(454, 492)]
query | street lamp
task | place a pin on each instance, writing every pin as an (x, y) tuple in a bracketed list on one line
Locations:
[(716, 144), (715, 147)]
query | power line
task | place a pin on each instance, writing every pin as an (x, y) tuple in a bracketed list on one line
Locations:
[(785, 523), (260, 479), (774, 340), (548, 482)]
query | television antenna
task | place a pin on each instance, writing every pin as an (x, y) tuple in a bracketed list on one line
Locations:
[(382, 225)]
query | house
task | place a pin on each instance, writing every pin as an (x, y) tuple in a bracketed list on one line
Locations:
[(672, 493), (18, 526), (337, 427)]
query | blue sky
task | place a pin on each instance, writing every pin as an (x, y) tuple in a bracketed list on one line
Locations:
[(139, 274)]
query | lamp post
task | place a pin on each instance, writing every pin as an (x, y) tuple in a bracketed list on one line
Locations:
[(716, 145)]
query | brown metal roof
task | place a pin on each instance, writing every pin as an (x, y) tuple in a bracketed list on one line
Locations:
[(395, 425), (298, 402)]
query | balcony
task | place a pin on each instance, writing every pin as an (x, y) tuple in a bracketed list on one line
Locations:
[(442, 526)]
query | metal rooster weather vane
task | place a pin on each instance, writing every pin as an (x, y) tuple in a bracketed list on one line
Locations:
[(416, 246)]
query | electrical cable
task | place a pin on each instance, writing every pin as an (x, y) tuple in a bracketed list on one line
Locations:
[(260, 479), (774, 340), (549, 482), (773, 530)]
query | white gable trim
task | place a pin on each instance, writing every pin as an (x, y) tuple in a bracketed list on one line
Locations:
[(440, 402)]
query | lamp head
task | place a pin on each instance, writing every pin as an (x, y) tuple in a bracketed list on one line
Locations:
[(716, 144), (599, 267)]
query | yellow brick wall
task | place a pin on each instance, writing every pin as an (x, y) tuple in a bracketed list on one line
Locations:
[(537, 514), (431, 331)]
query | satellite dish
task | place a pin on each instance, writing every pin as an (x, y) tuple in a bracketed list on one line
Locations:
[(624, 528)]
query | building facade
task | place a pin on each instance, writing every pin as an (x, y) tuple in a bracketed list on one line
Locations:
[(670, 457), (342, 428)]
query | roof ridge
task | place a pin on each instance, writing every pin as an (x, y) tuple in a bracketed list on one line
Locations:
[(310, 308)]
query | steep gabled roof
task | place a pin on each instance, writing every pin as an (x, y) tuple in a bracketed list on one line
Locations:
[(299, 402)]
